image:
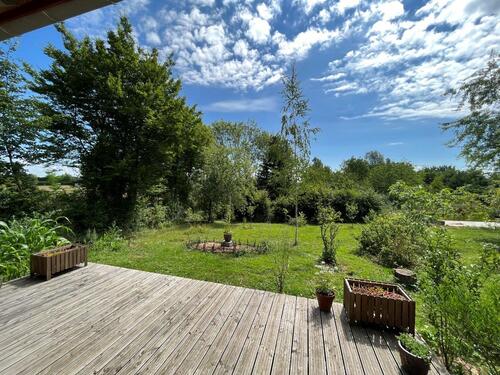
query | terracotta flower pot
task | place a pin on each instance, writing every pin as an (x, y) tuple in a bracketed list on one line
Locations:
[(412, 364), (325, 301), (228, 237)]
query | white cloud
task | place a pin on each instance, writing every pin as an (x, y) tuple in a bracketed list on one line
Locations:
[(329, 78), (343, 5), (395, 143), (259, 30), (299, 47), (309, 5), (324, 16), (153, 38), (410, 64), (268, 104), (391, 10)]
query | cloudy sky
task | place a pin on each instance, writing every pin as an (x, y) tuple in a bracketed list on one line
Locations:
[(375, 71)]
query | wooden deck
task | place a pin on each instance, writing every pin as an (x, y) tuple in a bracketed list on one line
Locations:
[(109, 320)]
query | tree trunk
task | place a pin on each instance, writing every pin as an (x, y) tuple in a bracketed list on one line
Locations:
[(296, 177), (13, 171)]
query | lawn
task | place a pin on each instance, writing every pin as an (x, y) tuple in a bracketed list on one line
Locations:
[(165, 251)]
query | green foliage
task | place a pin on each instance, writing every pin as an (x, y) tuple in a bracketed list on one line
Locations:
[(298, 221), (328, 220), (18, 114), (458, 204), (295, 128), (382, 176), (114, 109), (461, 305), (415, 347), (479, 131), (394, 239), (151, 215), (20, 238), (110, 241), (438, 178), (325, 283), (281, 251)]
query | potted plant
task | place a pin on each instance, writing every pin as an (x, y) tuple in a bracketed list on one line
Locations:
[(415, 355), (325, 290), (228, 236)]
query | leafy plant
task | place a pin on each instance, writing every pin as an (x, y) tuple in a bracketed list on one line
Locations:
[(281, 256), (329, 228), (300, 220), (20, 238), (111, 240), (415, 347), (325, 283), (394, 239)]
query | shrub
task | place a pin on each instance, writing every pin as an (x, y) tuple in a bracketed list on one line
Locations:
[(111, 240), (415, 347), (325, 283), (151, 216), (328, 218), (461, 303), (20, 238), (301, 220), (394, 239), (281, 256)]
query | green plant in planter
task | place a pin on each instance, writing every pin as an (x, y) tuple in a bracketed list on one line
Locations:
[(325, 283), (325, 290), (415, 347)]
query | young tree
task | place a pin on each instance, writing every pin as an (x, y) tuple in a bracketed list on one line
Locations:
[(295, 128), (116, 113), (479, 131), (328, 219), (18, 114)]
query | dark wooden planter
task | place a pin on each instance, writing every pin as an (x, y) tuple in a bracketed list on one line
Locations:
[(382, 311), (49, 262)]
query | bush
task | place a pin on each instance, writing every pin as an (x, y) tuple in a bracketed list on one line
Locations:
[(111, 240), (329, 228), (325, 283), (301, 220), (353, 205), (461, 303), (20, 238), (151, 216), (281, 256), (394, 239), (415, 347)]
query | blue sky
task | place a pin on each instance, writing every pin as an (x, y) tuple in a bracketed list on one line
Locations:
[(374, 71)]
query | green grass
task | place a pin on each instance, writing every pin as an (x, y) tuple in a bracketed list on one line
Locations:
[(164, 251)]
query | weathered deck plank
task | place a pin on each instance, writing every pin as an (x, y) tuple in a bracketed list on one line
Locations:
[(108, 320)]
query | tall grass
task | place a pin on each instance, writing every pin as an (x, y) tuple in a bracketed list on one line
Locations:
[(21, 237)]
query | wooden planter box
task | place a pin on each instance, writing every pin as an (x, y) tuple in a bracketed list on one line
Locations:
[(49, 262), (378, 310)]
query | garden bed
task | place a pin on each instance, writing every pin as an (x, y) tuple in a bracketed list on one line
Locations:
[(234, 248), (49, 262), (383, 304)]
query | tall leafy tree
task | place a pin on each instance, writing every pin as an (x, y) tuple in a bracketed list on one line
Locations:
[(116, 113), (275, 172), (479, 132), (296, 129), (18, 114)]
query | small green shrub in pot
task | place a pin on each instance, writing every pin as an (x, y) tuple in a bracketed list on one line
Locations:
[(325, 290), (415, 355)]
